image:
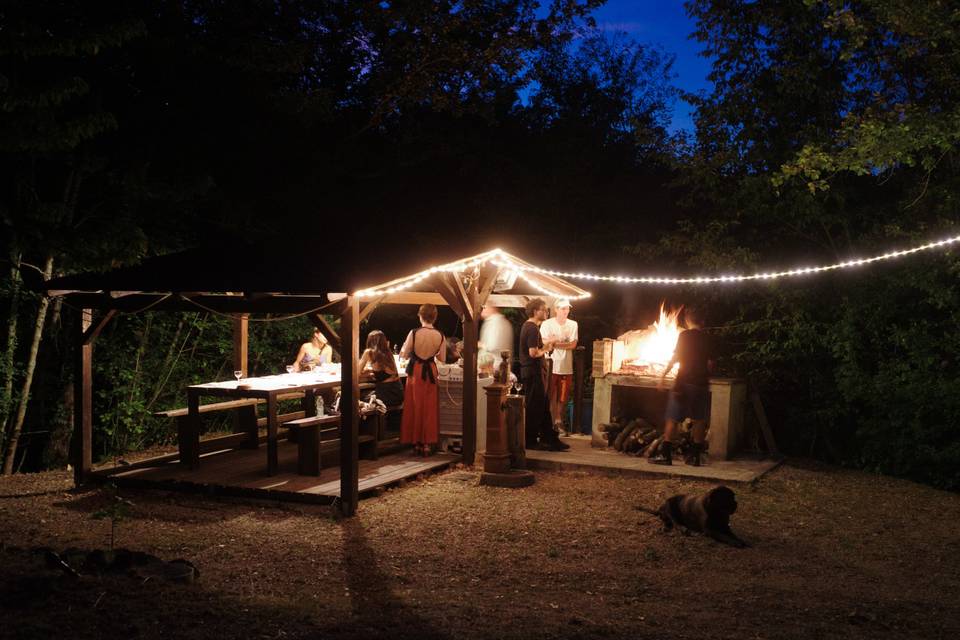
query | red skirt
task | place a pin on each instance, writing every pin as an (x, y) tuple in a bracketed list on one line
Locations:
[(421, 408)]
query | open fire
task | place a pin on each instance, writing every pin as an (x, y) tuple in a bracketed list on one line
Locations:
[(646, 352)]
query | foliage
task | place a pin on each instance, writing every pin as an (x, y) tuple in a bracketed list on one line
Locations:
[(854, 367), (116, 510)]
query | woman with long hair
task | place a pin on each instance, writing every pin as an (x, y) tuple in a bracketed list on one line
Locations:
[(421, 399), (386, 378), (312, 353)]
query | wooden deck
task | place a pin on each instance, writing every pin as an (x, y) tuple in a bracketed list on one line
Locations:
[(243, 473), (583, 457)]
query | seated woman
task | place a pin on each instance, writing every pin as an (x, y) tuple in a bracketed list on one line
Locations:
[(313, 353), (453, 349), (383, 367)]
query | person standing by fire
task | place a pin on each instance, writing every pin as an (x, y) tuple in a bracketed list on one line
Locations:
[(562, 331), (533, 377), (690, 396)]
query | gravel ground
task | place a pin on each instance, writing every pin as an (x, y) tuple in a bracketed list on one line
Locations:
[(837, 554)]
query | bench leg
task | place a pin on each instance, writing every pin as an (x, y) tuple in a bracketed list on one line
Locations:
[(188, 432), (245, 421), (308, 452), (368, 450), (185, 443)]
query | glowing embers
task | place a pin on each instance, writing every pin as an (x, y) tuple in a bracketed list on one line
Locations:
[(648, 351)]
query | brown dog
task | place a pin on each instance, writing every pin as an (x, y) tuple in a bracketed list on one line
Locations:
[(708, 514)]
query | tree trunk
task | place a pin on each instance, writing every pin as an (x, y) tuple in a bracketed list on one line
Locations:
[(28, 377), (6, 400)]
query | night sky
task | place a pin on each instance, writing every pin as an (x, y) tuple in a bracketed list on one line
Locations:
[(664, 23)]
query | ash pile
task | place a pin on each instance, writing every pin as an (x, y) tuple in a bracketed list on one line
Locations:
[(638, 437)]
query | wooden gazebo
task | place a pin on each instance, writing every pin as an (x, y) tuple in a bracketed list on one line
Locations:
[(236, 281)]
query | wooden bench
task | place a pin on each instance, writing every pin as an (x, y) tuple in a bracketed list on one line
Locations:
[(383, 420), (317, 435), (247, 435)]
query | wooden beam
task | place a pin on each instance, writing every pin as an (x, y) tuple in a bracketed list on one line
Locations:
[(350, 408), (415, 298), (447, 291), (457, 284), (369, 307), (328, 332), (486, 282), (82, 457), (216, 302), (97, 326)]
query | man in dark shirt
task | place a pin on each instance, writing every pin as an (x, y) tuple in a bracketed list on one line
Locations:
[(690, 397), (533, 377)]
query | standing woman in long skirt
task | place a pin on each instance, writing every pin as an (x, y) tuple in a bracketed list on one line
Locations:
[(421, 399)]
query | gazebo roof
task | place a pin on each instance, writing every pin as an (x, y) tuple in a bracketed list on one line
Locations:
[(274, 278)]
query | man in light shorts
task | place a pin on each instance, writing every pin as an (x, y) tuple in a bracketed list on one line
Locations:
[(562, 332)]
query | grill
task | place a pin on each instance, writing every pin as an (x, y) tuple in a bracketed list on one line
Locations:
[(620, 390)]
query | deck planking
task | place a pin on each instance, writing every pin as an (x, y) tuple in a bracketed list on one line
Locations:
[(243, 472), (583, 457)]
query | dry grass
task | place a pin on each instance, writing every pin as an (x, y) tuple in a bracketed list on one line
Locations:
[(836, 554)]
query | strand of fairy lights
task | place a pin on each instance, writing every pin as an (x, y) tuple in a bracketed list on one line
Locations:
[(495, 256), (498, 257), (768, 275)]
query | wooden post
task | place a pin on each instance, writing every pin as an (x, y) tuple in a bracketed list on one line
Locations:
[(82, 447), (273, 461), (349, 407), (83, 401), (242, 417), (469, 419), (240, 342), (579, 355), (189, 439)]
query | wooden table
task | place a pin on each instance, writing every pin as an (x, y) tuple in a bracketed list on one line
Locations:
[(266, 388)]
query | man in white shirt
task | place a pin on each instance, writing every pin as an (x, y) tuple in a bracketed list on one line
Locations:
[(496, 332), (562, 331)]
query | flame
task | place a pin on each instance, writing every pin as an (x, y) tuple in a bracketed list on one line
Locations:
[(652, 348)]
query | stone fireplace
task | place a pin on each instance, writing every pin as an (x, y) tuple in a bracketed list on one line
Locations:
[(632, 395)]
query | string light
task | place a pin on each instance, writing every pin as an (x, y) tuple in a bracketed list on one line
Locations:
[(523, 271), (494, 256), (767, 275)]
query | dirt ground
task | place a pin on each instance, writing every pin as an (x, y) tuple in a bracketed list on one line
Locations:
[(837, 554)]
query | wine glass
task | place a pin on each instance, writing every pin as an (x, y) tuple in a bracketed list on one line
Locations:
[(238, 374), (518, 386), (289, 368)]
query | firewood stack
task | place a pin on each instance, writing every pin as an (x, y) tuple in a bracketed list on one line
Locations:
[(638, 437)]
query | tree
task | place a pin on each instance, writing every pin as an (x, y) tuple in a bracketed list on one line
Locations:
[(52, 115), (804, 99)]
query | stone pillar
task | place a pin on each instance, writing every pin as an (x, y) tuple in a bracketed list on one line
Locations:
[(725, 429), (602, 398)]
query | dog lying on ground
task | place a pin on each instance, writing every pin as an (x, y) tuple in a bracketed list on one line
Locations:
[(708, 514)]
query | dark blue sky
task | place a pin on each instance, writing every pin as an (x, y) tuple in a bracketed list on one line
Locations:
[(665, 23)]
